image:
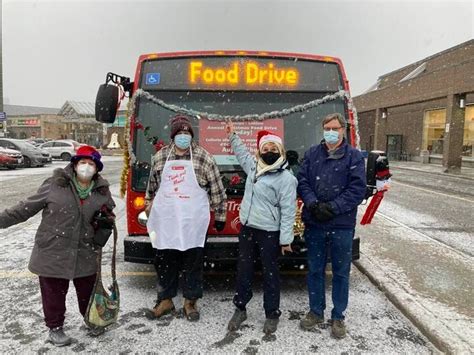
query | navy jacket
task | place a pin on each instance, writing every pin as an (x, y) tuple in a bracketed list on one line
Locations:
[(338, 179)]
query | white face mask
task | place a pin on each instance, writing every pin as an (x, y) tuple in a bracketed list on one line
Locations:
[(85, 171)]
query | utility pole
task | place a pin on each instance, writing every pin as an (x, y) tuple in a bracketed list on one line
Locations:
[(3, 121)]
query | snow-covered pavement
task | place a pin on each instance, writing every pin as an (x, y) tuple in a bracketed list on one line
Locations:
[(375, 325), (419, 250)]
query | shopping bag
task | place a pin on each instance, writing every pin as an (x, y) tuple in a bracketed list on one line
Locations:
[(104, 305)]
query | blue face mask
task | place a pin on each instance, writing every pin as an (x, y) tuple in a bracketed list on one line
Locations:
[(182, 141), (331, 137)]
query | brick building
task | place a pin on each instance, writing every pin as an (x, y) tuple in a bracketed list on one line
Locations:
[(24, 122), (423, 111)]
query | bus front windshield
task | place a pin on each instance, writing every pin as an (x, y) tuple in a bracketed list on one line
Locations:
[(299, 131)]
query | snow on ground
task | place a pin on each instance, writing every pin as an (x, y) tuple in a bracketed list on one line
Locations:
[(440, 216), (430, 280), (375, 325)]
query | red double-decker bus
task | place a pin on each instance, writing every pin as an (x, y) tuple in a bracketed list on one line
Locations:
[(286, 93)]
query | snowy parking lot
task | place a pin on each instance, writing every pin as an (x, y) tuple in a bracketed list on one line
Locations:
[(374, 324)]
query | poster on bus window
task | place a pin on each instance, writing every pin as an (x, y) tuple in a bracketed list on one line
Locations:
[(213, 138)]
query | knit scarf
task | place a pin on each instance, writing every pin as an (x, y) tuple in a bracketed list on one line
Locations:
[(83, 192)]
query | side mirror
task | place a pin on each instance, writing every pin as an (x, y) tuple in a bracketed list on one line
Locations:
[(106, 103), (377, 164)]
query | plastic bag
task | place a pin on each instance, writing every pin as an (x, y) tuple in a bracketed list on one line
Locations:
[(103, 308)]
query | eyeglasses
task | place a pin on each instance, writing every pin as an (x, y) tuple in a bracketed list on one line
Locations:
[(327, 129)]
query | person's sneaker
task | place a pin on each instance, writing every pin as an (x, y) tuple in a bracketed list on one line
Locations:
[(310, 321), (270, 325), (237, 319), (190, 310), (338, 328), (162, 308), (58, 337)]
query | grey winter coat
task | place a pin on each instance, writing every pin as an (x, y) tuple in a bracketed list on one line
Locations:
[(64, 241)]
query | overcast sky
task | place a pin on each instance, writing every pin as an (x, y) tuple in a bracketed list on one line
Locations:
[(55, 51)]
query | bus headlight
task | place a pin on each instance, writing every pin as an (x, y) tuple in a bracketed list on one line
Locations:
[(142, 218)]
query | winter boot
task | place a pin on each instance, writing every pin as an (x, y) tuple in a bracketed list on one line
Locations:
[(58, 337), (162, 308), (338, 328), (190, 311), (310, 321), (270, 325), (237, 319)]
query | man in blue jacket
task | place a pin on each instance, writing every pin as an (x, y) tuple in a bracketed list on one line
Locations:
[(331, 183)]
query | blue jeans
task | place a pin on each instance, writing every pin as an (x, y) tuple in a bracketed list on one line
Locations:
[(339, 243)]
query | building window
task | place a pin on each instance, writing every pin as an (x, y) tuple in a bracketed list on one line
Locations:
[(468, 140), (433, 131)]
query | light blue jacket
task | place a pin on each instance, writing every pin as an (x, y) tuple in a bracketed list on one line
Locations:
[(269, 201)]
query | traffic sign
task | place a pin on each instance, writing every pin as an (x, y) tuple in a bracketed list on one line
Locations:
[(3, 116)]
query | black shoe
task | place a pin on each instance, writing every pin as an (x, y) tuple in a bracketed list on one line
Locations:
[(270, 325), (58, 337), (237, 319)]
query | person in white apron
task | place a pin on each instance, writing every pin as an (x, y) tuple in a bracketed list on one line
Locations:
[(179, 216)]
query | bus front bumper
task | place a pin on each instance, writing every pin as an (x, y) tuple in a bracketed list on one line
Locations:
[(219, 250)]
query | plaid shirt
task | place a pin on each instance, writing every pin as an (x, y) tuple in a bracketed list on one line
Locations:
[(207, 174)]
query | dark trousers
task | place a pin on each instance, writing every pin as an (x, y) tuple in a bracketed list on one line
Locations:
[(53, 295), (254, 242), (170, 262)]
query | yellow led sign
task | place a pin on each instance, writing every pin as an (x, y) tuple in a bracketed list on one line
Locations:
[(248, 73)]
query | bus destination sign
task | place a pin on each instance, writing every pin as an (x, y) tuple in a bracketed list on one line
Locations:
[(240, 74), (250, 73)]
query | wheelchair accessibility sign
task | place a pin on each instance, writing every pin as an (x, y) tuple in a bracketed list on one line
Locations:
[(152, 78)]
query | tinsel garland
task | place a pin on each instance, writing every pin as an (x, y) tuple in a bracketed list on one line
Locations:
[(249, 117), (126, 154)]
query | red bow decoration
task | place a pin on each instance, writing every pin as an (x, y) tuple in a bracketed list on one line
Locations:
[(235, 180), (160, 144)]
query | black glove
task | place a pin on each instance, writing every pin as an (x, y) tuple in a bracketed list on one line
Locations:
[(103, 222), (313, 208), (103, 219), (322, 211), (219, 226)]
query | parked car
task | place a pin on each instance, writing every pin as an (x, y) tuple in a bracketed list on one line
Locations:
[(32, 156), (10, 158), (62, 149), (46, 154), (38, 141)]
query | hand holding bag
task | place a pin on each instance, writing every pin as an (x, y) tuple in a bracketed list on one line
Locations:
[(103, 307), (102, 222)]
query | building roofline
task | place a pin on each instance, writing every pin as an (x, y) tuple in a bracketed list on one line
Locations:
[(418, 62)]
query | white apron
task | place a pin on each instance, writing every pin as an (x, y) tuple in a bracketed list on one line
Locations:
[(180, 213)]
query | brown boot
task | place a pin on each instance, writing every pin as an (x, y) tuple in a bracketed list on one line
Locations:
[(162, 308), (190, 311)]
